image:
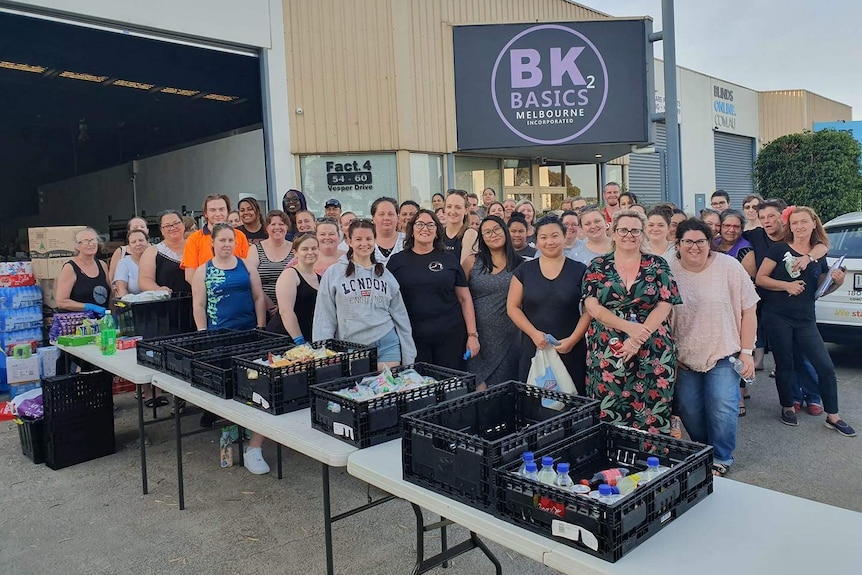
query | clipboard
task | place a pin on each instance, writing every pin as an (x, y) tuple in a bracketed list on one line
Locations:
[(827, 283)]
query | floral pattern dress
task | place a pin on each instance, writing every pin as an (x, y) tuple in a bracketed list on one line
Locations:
[(637, 393)]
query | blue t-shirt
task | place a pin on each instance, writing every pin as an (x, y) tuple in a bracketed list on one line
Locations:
[(229, 301)]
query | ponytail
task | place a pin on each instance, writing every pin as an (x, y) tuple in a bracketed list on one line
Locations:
[(378, 267), (351, 267)]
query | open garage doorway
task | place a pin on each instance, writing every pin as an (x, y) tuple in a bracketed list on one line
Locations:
[(99, 124)]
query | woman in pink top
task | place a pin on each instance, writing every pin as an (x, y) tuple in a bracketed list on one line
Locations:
[(715, 324)]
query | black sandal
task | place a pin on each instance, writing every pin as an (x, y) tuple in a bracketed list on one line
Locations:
[(719, 469), (158, 401)]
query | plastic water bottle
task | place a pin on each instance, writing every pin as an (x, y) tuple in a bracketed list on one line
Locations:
[(527, 456), (606, 494), (739, 367), (530, 472), (629, 483), (563, 479), (652, 470), (108, 334), (547, 475)]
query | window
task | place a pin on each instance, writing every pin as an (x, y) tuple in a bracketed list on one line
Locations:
[(583, 180), (516, 173), (355, 180), (476, 174), (426, 178)]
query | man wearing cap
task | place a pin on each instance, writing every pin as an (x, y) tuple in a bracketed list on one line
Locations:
[(332, 209)]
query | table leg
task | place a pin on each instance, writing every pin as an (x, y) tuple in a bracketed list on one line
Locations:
[(142, 445), (178, 425), (484, 548), (443, 543), (424, 565), (278, 459), (327, 521), (241, 450)]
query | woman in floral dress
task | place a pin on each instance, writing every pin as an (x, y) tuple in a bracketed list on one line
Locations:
[(630, 294)]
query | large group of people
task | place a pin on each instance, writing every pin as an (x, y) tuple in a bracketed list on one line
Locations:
[(660, 316)]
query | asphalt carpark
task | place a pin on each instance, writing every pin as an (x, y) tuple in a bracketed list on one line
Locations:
[(93, 519)]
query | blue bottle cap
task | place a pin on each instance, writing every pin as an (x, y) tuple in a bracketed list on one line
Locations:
[(562, 468), (604, 489), (547, 461), (527, 456), (652, 461), (531, 467)]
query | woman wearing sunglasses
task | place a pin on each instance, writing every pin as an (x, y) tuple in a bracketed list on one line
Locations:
[(629, 295)]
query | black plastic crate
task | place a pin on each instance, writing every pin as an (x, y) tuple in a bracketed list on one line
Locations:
[(150, 352), (79, 418), (69, 396), (79, 439), (617, 528), (155, 318), (213, 370), (367, 423), (32, 436), (453, 448), (178, 356), (280, 390)]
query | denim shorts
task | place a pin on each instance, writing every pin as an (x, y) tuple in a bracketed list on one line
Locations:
[(389, 348)]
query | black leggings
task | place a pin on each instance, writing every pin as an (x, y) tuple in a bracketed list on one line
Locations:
[(787, 339), (445, 350)]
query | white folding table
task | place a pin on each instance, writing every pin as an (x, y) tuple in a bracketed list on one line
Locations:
[(739, 528)]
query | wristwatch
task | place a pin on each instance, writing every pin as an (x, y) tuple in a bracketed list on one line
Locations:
[(747, 351)]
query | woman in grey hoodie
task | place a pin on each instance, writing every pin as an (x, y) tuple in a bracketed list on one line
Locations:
[(360, 301)]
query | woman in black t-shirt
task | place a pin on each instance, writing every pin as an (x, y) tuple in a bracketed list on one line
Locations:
[(544, 298), (788, 315), (435, 292)]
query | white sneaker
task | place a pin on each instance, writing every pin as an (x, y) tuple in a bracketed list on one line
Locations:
[(254, 461)]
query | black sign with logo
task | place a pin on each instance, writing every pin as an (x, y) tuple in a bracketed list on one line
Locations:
[(552, 83)]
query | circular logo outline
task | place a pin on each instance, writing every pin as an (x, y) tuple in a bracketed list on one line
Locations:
[(494, 83), (435, 266)]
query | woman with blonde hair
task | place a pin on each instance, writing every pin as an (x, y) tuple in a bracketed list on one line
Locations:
[(83, 281), (527, 208), (788, 314)]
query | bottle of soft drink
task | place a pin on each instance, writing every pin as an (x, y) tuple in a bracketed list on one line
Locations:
[(547, 475), (563, 479), (738, 367), (606, 475), (108, 334), (527, 457), (530, 472)]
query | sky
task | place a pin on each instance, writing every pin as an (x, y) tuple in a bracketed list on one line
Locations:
[(765, 44)]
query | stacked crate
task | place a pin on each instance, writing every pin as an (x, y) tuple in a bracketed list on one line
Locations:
[(20, 327)]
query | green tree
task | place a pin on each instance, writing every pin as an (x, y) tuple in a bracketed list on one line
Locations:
[(815, 169)]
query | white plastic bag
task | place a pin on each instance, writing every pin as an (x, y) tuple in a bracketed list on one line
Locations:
[(548, 371)]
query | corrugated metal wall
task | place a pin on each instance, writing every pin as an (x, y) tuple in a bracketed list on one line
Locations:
[(645, 172), (378, 74), (734, 163), (785, 112)]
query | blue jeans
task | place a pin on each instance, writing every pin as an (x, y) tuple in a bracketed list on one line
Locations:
[(807, 386), (709, 407)]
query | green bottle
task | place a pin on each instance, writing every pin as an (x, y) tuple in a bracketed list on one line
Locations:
[(108, 334)]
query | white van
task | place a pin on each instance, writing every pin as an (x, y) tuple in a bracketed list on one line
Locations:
[(839, 314)]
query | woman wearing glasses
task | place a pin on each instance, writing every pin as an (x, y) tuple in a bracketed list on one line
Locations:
[(436, 295), (716, 292), (629, 295), (597, 242), (749, 208), (83, 282), (359, 300), (489, 274), (160, 264), (544, 299)]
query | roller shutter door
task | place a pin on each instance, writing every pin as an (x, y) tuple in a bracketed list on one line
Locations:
[(734, 164), (645, 172)]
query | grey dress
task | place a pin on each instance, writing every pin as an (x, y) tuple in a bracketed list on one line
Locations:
[(498, 357)]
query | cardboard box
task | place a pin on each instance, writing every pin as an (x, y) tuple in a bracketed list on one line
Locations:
[(48, 357), (48, 268), (22, 370), (17, 389), (53, 242), (49, 292)]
